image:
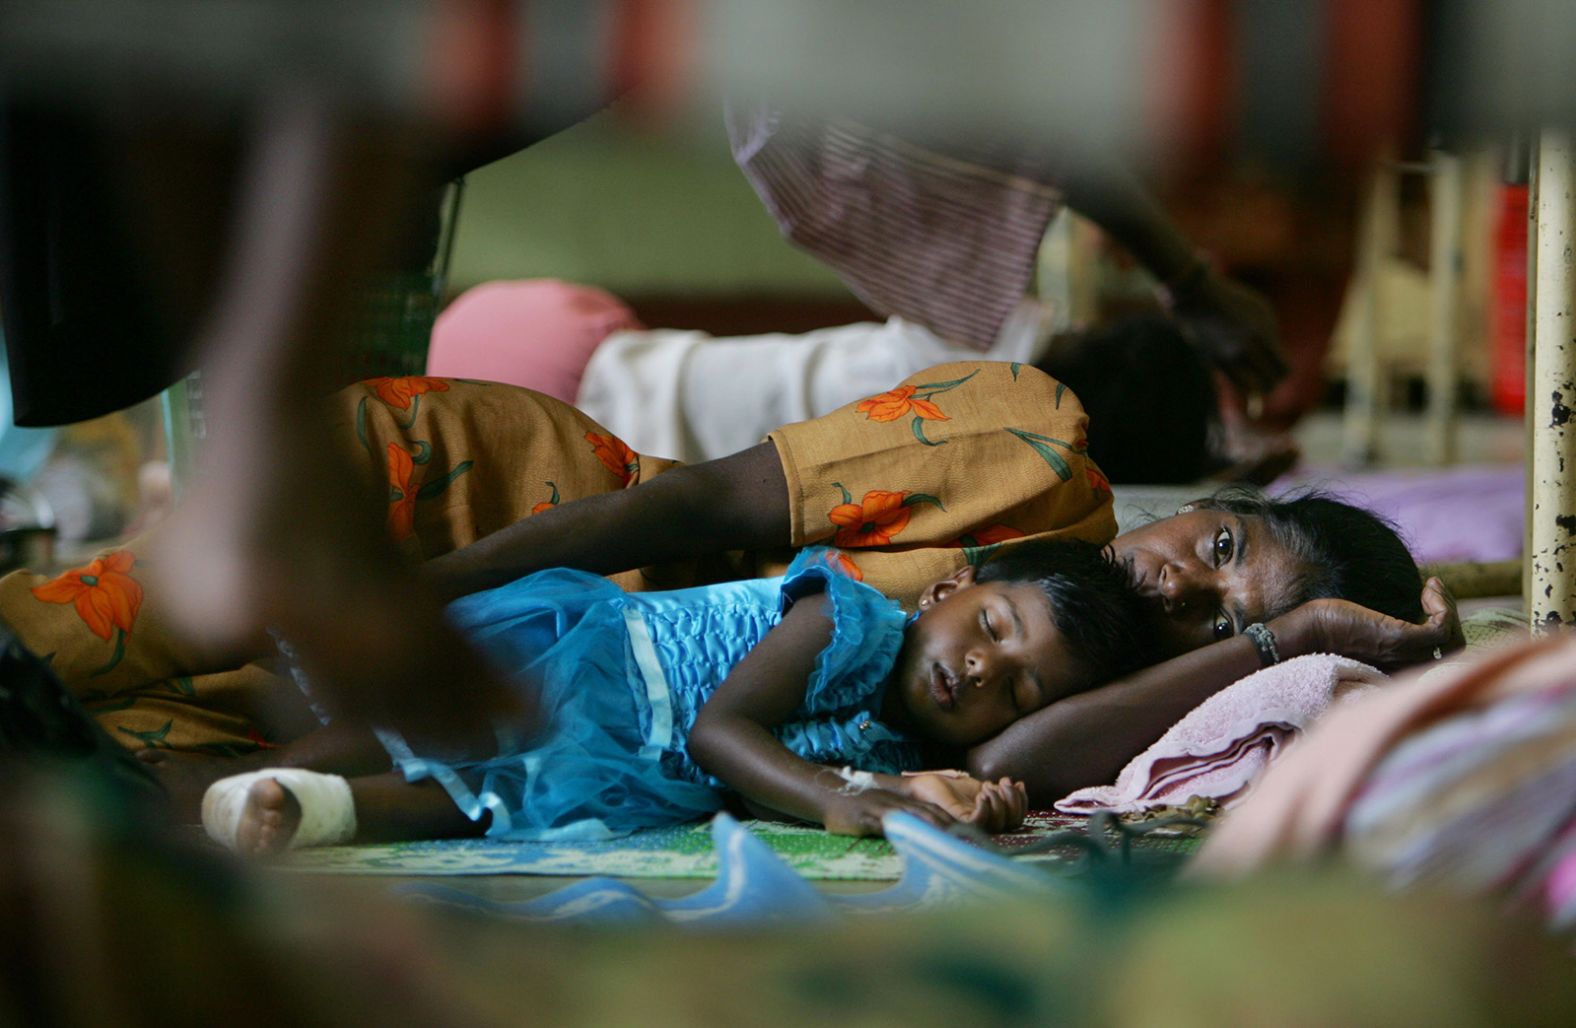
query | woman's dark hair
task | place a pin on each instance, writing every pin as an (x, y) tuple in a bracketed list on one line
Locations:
[(1093, 602), (1152, 408), (1346, 552)]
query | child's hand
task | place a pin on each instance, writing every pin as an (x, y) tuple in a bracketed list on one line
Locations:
[(989, 806)]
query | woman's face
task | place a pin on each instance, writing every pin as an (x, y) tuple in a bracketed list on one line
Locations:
[(1207, 574)]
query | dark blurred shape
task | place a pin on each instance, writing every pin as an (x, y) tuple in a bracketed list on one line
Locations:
[(42, 723), (91, 322), (1151, 401)]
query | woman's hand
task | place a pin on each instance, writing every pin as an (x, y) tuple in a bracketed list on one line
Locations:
[(860, 813), (997, 806), (1234, 327), (1340, 626)]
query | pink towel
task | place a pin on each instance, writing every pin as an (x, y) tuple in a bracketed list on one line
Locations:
[(1222, 747)]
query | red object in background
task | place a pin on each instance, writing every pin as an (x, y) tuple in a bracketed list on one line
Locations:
[(1509, 325)]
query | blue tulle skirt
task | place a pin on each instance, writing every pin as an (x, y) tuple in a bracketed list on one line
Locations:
[(597, 773)]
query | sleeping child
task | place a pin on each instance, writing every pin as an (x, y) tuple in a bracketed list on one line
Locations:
[(811, 695)]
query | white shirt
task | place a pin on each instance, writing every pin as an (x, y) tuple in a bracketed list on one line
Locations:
[(691, 396)]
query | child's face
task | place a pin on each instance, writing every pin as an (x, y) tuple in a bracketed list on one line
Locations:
[(981, 656)]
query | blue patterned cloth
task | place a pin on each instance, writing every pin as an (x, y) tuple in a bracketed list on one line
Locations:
[(623, 676)]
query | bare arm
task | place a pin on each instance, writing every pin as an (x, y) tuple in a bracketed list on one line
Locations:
[(733, 739), (1231, 324), (1087, 739), (733, 503)]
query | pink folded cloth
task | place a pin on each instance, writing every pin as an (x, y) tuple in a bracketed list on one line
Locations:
[(1222, 747)]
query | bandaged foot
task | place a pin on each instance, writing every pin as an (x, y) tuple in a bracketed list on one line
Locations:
[(277, 809)]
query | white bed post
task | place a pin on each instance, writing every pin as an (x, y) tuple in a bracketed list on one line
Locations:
[(1365, 400), (1444, 273), (1551, 560), (1529, 347)]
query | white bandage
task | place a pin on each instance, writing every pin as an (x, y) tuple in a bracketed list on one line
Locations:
[(328, 813), (854, 782)]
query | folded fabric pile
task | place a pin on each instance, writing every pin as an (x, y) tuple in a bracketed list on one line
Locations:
[(1227, 742)]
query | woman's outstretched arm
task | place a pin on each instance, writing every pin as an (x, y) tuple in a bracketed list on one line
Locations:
[(732, 503), (1232, 325), (1087, 739)]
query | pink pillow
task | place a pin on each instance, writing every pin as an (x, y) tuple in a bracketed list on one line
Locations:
[(537, 333)]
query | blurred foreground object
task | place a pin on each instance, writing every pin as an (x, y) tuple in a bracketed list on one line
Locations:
[(109, 925), (1460, 778)]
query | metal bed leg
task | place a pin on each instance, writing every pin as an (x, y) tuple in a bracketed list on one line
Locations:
[(1552, 556)]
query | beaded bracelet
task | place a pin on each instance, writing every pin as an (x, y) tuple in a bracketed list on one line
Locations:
[(1264, 642)]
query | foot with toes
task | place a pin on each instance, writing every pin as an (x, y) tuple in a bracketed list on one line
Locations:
[(279, 808), (269, 819)]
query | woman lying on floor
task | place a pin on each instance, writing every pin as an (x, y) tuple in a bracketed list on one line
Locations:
[(912, 485), (698, 397)]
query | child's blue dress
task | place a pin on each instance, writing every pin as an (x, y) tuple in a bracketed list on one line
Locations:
[(622, 678)]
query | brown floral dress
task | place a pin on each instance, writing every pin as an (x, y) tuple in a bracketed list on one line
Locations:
[(910, 485)]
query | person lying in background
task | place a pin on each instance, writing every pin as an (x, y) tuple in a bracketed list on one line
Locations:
[(694, 396)]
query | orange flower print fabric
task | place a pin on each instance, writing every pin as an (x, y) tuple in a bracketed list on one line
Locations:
[(890, 406), (842, 563), (105, 596), (400, 393), (549, 503), (1003, 461), (615, 456), (103, 591), (846, 565), (405, 393), (911, 399), (402, 492), (875, 520), (476, 458)]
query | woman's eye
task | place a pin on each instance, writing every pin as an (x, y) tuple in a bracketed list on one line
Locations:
[(985, 623), (1222, 627), (1224, 546)]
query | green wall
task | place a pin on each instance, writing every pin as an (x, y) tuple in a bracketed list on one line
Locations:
[(636, 213)]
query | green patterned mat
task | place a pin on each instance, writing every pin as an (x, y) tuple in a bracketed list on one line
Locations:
[(683, 851)]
